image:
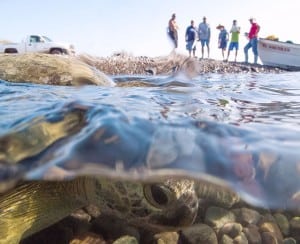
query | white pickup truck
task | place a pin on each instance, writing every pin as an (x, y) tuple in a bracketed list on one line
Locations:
[(37, 44)]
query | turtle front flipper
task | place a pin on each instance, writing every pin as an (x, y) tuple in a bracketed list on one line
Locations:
[(36, 205), (217, 194)]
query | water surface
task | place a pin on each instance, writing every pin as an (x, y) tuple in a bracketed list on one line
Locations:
[(240, 128)]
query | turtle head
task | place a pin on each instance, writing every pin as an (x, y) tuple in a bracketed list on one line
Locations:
[(175, 201), (167, 204)]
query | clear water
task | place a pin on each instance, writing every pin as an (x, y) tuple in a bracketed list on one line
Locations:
[(242, 129)]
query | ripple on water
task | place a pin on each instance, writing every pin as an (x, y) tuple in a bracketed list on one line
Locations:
[(242, 129)]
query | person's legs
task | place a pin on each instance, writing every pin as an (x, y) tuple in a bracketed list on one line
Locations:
[(228, 53), (202, 48), (224, 46), (207, 45), (189, 48), (194, 52), (172, 37), (230, 48), (246, 48), (236, 50), (254, 49), (176, 39), (207, 51)]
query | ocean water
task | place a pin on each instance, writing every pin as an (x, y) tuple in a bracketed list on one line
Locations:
[(238, 129)]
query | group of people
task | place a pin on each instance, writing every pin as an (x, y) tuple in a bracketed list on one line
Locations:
[(203, 33)]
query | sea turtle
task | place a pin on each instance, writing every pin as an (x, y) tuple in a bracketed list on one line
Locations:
[(148, 175), (33, 206), (50, 69), (38, 191)]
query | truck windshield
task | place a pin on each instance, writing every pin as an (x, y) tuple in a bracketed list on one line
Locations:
[(47, 39)]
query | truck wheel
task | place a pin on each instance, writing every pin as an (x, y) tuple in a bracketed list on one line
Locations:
[(10, 50), (56, 51)]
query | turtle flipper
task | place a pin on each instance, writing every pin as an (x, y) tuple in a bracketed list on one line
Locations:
[(219, 194), (37, 205)]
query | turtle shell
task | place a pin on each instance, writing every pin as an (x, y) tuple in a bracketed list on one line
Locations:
[(50, 69)]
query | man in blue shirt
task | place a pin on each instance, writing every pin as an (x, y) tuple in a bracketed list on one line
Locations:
[(191, 37), (222, 40)]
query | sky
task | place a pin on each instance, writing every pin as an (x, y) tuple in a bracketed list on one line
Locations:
[(104, 27)]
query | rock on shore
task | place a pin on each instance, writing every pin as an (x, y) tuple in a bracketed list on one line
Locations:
[(124, 64)]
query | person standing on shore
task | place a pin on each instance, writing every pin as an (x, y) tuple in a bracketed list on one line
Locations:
[(190, 38), (252, 36), (222, 40), (204, 36), (173, 30), (234, 41)]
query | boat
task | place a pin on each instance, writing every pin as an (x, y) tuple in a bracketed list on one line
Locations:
[(280, 54)]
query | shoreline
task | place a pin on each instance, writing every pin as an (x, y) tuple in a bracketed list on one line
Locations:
[(123, 64), (86, 69)]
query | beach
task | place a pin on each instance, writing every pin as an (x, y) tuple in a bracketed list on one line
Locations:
[(125, 64)]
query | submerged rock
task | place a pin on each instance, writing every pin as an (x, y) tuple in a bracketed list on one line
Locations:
[(199, 233), (50, 69)]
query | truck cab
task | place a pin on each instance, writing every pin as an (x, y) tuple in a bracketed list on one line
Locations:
[(38, 43)]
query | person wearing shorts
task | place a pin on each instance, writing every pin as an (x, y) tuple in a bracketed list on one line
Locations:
[(223, 39), (190, 37), (204, 36), (234, 41)]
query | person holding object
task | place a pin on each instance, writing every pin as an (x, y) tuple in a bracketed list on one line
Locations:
[(234, 41), (190, 38), (252, 36)]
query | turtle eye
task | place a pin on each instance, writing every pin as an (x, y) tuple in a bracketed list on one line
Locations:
[(157, 195)]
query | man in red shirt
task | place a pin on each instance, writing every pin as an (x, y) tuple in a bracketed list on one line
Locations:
[(252, 36)]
